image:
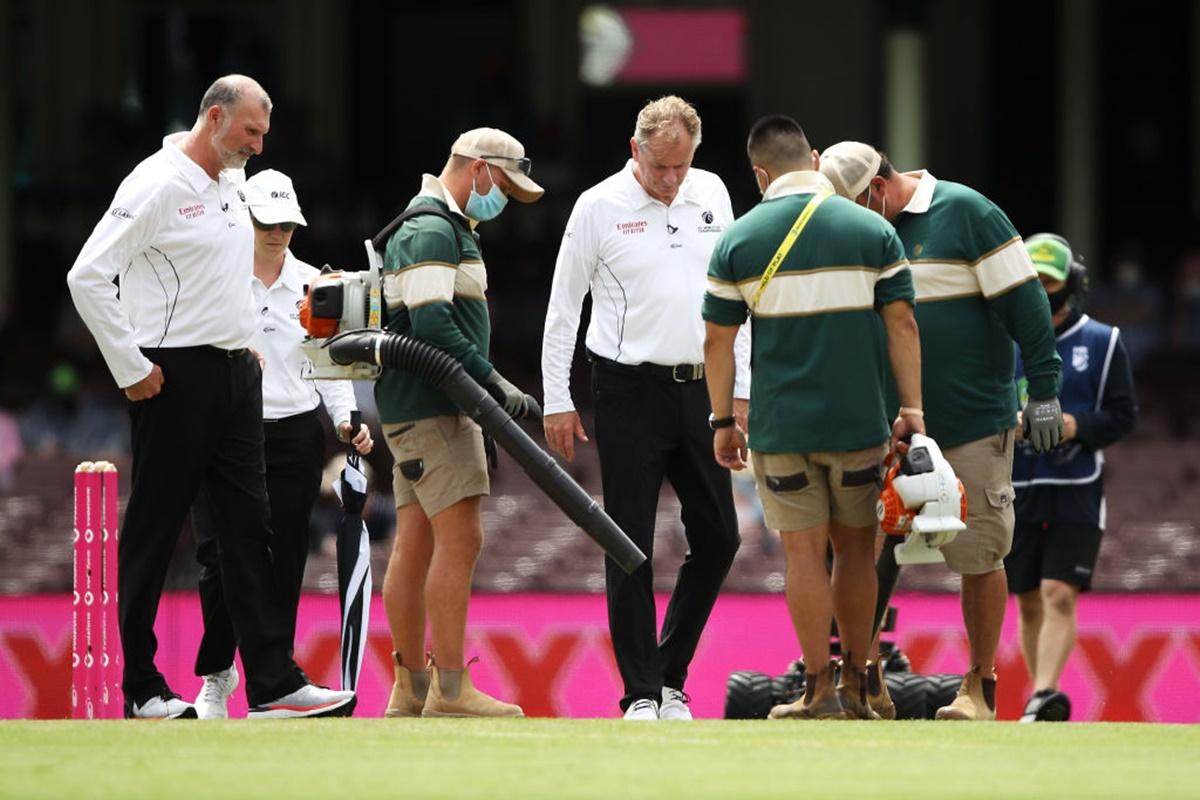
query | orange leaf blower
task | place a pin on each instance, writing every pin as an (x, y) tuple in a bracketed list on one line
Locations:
[(922, 500)]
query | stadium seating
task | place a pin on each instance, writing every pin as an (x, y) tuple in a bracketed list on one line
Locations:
[(1152, 543)]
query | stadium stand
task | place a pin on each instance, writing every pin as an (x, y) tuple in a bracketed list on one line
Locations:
[(1152, 543)]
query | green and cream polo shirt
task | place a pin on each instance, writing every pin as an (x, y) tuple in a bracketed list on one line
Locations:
[(976, 293), (434, 284), (818, 348)]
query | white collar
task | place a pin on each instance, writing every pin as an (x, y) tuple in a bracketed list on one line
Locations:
[(639, 197), (289, 276), (801, 181), (922, 198), (189, 169), (432, 186)]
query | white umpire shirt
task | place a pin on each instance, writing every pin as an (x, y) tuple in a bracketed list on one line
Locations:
[(277, 313), (646, 265), (183, 249)]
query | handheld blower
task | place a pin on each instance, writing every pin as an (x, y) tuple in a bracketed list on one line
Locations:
[(922, 501)]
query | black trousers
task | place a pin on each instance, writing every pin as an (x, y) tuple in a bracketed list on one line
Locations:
[(295, 452), (204, 430), (647, 428)]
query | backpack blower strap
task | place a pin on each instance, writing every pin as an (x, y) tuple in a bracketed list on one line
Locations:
[(379, 240)]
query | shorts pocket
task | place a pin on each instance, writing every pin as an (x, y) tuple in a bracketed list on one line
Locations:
[(868, 476), (999, 498), (787, 483), (407, 442), (412, 469), (400, 431)]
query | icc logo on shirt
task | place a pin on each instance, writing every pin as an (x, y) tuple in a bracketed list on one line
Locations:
[(1079, 358)]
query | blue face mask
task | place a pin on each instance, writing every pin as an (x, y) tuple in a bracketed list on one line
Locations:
[(481, 208)]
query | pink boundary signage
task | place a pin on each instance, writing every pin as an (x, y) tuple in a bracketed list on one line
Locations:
[(1138, 658)]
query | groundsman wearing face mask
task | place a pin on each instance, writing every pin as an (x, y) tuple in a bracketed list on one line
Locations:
[(434, 282)]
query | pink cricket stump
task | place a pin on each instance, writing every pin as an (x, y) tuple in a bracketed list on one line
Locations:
[(78, 638), (111, 658), (86, 687)]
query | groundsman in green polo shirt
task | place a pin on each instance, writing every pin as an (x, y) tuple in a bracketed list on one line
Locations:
[(434, 282), (977, 292), (829, 293)]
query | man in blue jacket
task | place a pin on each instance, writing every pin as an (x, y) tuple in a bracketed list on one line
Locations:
[(1060, 504)]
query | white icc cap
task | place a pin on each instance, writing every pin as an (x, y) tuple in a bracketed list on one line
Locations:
[(849, 166), (501, 150), (272, 198)]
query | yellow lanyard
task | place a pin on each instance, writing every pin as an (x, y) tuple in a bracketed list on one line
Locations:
[(786, 245)]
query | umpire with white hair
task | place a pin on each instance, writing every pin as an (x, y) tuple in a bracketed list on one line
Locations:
[(639, 242), (163, 284)]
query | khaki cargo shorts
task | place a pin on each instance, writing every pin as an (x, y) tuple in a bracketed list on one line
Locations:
[(439, 461), (800, 491), (985, 468)]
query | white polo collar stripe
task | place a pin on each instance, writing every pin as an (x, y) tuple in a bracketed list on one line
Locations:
[(923, 197), (798, 182)]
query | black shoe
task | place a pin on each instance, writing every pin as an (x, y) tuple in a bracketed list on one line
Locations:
[(1047, 705)]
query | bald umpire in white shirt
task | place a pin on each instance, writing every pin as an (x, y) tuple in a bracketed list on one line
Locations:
[(294, 441), (640, 242), (163, 283)]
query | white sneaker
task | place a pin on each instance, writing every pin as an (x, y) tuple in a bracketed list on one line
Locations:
[(166, 706), (307, 701), (674, 704), (642, 709), (213, 700)]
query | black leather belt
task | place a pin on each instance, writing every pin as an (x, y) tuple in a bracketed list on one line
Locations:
[(235, 353), (303, 415), (679, 373)]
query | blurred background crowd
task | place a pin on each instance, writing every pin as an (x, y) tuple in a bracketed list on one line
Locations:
[(1074, 116)]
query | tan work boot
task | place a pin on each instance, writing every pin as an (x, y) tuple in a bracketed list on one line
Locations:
[(408, 692), (820, 700), (852, 694), (878, 695), (451, 694), (976, 699)]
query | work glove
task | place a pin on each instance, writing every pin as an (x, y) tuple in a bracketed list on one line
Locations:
[(1043, 424), (514, 401)]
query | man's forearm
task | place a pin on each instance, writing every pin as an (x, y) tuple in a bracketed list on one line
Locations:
[(904, 352), (719, 368)]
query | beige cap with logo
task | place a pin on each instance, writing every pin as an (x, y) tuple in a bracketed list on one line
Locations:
[(849, 166), (502, 150)]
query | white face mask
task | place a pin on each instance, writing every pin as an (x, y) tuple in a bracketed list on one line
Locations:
[(883, 211), (482, 207), (766, 182)]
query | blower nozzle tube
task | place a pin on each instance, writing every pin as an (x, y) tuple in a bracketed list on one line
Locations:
[(448, 376)]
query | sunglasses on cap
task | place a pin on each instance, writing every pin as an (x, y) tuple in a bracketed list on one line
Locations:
[(523, 164), (286, 227)]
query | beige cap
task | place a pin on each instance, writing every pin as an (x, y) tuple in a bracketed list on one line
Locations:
[(502, 150), (272, 198), (849, 166)]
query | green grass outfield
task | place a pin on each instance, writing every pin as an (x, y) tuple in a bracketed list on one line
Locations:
[(530, 759)]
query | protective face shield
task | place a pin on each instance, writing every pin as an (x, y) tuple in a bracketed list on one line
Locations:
[(481, 208), (923, 501)]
